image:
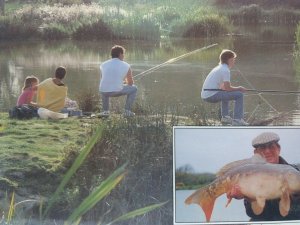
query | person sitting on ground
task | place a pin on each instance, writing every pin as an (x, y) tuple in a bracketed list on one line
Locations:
[(219, 80), (113, 73), (28, 91), (52, 92), (266, 145)]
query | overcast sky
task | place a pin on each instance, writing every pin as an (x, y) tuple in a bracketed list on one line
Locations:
[(207, 149)]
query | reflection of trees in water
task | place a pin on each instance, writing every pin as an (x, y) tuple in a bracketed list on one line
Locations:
[(10, 84)]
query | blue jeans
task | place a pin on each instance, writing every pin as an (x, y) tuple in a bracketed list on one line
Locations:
[(128, 90), (224, 97)]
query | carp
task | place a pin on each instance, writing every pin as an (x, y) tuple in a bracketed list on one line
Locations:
[(258, 181)]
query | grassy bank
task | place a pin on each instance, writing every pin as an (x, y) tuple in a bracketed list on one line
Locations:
[(136, 21), (36, 153)]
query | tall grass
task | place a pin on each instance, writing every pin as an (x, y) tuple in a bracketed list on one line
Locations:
[(99, 192), (201, 23), (255, 14), (95, 22), (296, 54)]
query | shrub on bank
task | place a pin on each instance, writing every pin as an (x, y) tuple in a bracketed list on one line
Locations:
[(15, 29), (93, 30), (136, 28), (54, 31), (249, 14), (254, 14), (210, 25)]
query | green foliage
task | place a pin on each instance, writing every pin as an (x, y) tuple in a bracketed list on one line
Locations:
[(296, 61), (94, 30), (88, 101), (265, 3), (282, 16), (255, 14), (15, 29), (77, 163), (189, 180), (54, 31), (97, 195), (136, 28), (201, 25), (6, 184), (249, 14), (137, 212)]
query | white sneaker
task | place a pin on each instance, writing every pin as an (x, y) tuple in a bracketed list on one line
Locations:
[(104, 114), (128, 113), (239, 122), (226, 120)]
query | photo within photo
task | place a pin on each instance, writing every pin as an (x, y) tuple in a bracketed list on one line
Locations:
[(236, 175)]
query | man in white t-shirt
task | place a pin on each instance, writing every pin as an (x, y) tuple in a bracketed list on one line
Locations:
[(117, 80), (217, 88)]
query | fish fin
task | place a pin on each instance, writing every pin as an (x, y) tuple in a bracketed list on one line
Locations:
[(206, 202), (284, 203), (207, 205), (228, 201), (256, 158), (258, 205)]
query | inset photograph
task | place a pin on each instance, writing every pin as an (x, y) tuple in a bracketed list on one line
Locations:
[(236, 175)]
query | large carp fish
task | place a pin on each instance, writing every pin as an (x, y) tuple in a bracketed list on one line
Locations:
[(258, 181)]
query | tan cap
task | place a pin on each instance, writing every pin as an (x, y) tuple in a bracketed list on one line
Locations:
[(265, 138)]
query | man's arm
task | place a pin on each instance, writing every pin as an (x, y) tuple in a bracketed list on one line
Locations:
[(129, 78), (227, 87)]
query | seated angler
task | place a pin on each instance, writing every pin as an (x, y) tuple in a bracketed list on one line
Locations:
[(217, 88), (117, 80)]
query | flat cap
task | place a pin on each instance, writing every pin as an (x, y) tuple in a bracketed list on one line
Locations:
[(265, 138)]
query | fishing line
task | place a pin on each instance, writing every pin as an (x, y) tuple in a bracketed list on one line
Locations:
[(146, 72), (259, 94), (253, 112)]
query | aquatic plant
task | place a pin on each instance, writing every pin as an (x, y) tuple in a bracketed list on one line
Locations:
[(201, 24)]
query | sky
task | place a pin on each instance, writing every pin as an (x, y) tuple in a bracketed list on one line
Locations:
[(207, 149)]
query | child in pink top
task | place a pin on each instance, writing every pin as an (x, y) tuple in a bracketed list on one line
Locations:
[(28, 91)]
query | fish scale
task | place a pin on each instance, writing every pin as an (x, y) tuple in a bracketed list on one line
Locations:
[(258, 181)]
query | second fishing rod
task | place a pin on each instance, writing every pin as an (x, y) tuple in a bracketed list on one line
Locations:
[(258, 91)]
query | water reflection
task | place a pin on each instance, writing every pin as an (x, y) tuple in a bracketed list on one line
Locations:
[(262, 64)]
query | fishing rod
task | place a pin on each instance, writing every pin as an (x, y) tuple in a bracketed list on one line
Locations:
[(144, 73), (258, 91)]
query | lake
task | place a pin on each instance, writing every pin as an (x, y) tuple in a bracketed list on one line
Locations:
[(235, 211), (265, 61)]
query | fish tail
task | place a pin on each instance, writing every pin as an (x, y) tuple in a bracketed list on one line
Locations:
[(205, 200)]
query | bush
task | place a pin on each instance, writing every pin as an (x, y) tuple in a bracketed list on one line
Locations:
[(247, 14), (54, 32), (14, 29), (205, 26), (96, 30), (136, 28)]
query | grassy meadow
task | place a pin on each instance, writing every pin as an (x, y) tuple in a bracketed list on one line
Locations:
[(36, 154)]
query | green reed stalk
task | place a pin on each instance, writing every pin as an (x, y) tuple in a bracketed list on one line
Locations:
[(77, 163), (11, 208), (103, 189), (137, 212)]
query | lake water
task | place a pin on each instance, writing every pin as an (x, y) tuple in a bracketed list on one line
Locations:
[(235, 211), (265, 61)]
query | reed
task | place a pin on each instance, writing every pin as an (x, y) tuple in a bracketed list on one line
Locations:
[(199, 24)]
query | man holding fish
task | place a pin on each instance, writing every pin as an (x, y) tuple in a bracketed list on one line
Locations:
[(269, 185), (267, 146)]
